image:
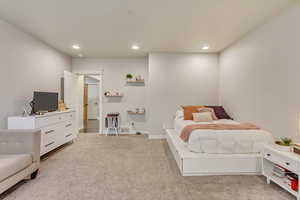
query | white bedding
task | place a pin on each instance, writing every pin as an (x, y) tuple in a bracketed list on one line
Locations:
[(223, 141)]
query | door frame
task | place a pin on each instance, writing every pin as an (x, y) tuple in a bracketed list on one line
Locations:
[(85, 105), (100, 74)]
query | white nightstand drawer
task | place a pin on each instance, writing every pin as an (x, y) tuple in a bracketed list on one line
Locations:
[(281, 160)]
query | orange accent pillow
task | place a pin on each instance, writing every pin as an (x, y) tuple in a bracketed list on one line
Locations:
[(189, 110)]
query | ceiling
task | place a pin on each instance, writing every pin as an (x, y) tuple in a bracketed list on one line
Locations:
[(108, 28)]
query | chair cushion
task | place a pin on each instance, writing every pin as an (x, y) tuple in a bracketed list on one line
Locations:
[(11, 164)]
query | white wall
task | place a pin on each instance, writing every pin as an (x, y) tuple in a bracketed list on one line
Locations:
[(114, 79), (26, 65), (260, 76), (179, 79)]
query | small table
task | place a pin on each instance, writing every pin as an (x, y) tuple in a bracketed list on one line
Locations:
[(287, 160)]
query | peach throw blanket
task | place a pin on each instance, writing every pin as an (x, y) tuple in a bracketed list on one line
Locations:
[(186, 132)]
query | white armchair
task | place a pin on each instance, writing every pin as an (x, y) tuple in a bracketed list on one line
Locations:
[(19, 156)]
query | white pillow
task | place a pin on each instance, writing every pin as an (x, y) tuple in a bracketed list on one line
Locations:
[(202, 117), (179, 114)]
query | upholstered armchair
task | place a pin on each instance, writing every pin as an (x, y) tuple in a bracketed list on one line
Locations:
[(19, 156)]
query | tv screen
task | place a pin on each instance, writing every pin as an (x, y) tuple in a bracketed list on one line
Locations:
[(45, 101)]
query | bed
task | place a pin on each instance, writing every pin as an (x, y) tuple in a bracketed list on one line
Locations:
[(217, 152), (223, 141)]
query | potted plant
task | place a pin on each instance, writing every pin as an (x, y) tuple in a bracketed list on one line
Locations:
[(129, 77), (284, 144)]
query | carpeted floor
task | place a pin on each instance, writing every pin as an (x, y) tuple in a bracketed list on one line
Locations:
[(131, 168)]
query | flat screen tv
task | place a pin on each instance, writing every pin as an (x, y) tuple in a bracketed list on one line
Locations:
[(45, 101)]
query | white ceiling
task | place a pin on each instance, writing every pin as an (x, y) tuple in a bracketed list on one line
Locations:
[(108, 28)]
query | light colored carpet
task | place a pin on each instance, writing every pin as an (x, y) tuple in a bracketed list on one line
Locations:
[(131, 168)]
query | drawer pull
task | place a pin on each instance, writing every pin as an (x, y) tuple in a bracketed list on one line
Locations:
[(49, 144), (47, 132), (68, 125), (287, 163), (68, 135), (268, 154)]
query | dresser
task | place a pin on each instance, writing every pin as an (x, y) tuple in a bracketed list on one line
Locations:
[(57, 128)]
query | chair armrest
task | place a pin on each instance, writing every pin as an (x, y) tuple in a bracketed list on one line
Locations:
[(21, 142)]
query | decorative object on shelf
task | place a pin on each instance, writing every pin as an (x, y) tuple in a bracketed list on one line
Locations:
[(139, 78), (61, 106), (137, 111), (113, 94), (129, 77), (27, 109), (25, 113), (284, 144), (135, 79)]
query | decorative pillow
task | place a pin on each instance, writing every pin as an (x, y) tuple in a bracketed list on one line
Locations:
[(214, 117), (220, 112), (202, 117), (189, 110)]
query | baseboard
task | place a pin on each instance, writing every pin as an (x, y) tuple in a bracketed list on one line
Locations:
[(129, 133), (156, 136)]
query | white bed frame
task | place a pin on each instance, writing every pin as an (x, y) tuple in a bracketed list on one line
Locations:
[(203, 164)]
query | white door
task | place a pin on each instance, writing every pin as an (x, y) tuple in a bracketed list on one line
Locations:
[(71, 94), (93, 98)]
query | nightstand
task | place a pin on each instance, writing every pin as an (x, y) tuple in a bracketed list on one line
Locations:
[(286, 160)]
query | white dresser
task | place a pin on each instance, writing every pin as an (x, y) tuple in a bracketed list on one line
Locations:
[(57, 128)]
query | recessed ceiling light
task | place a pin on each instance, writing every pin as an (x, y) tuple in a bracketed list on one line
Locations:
[(135, 47), (205, 47), (75, 46)]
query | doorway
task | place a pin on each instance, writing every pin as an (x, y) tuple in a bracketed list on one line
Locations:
[(91, 103)]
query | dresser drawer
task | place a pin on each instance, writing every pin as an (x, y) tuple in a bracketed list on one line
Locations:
[(69, 116), (69, 130), (50, 133), (283, 161), (49, 120), (50, 145)]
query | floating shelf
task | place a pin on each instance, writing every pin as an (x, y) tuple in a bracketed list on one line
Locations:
[(135, 113), (136, 81), (113, 95)]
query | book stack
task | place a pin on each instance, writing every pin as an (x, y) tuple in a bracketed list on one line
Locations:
[(288, 177), (280, 171), (296, 148)]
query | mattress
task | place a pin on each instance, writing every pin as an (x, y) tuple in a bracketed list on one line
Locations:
[(223, 141)]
